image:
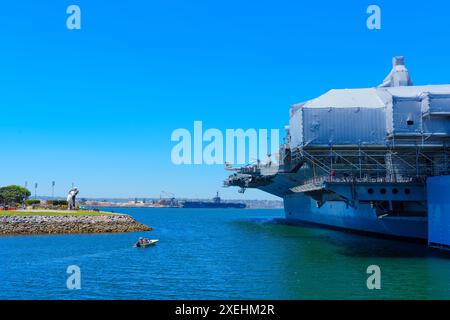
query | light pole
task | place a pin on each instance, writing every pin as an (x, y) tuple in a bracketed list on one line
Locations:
[(35, 190)]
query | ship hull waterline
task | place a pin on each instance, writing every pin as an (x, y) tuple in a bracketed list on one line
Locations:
[(363, 219)]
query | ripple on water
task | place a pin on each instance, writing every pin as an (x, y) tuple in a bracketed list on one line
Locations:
[(219, 254)]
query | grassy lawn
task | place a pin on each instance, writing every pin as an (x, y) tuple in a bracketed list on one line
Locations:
[(53, 213)]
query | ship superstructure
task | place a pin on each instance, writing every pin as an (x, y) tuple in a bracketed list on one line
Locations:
[(360, 158)]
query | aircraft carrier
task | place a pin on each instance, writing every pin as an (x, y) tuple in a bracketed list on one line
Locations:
[(374, 160), (216, 203)]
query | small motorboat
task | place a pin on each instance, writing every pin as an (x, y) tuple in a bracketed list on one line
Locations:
[(144, 242)]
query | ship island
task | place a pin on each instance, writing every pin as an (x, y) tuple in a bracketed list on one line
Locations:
[(372, 160)]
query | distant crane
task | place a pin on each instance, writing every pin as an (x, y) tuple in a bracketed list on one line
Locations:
[(168, 200)]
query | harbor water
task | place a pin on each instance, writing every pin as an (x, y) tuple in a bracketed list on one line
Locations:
[(220, 254)]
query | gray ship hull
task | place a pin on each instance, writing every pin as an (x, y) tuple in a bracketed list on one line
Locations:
[(300, 208)]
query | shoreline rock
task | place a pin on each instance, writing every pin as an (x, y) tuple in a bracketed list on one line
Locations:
[(40, 224)]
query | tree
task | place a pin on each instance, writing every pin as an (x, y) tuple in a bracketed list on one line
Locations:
[(13, 194)]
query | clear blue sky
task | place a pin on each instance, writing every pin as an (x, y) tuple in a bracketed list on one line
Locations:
[(97, 106)]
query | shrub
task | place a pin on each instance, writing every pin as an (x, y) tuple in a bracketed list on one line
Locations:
[(57, 202), (31, 202)]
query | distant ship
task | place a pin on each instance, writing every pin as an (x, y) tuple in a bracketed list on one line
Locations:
[(215, 203)]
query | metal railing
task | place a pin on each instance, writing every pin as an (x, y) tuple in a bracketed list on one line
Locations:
[(387, 165)]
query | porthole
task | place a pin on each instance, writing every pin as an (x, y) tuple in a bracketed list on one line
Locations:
[(395, 191), (370, 191), (383, 191), (407, 191)]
